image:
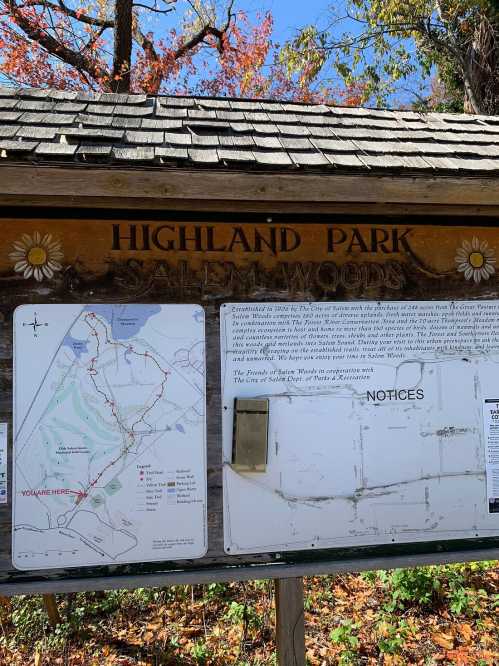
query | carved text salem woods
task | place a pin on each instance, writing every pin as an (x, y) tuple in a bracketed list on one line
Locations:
[(255, 239), (225, 278)]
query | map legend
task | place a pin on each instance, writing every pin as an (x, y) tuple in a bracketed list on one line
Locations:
[(171, 488)]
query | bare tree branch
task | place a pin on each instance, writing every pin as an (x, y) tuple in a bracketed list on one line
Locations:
[(465, 66), (147, 46), (93, 39), (206, 30), (78, 60), (197, 39), (64, 9), (84, 18), (154, 9)]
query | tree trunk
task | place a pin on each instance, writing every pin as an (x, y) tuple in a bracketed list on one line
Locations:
[(122, 46), (50, 603), (482, 75)]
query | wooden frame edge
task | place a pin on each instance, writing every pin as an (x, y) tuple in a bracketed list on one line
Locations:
[(253, 572), (77, 184), (23, 204)]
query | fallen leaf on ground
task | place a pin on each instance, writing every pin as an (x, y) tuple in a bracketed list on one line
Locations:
[(154, 626), (444, 640), (466, 632), (192, 631), (461, 657)]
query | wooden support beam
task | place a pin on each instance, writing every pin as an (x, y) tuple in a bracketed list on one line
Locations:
[(207, 185), (218, 572), (26, 203), (290, 624), (5, 602)]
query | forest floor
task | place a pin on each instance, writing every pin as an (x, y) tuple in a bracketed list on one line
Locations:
[(429, 615)]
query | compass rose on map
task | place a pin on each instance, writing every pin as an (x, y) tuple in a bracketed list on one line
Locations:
[(35, 325)]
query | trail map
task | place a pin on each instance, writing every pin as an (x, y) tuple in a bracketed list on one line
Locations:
[(109, 435)]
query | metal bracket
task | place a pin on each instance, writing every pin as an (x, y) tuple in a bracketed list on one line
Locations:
[(250, 440)]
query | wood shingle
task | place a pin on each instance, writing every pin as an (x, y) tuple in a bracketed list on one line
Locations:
[(51, 124)]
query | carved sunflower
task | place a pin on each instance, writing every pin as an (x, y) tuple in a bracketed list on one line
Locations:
[(37, 256), (476, 260)]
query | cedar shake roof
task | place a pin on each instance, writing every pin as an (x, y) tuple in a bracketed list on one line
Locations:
[(54, 126)]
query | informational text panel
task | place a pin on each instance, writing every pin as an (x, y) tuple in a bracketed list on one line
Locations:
[(376, 423)]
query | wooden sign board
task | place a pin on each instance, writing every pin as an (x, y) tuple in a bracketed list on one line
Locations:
[(163, 259)]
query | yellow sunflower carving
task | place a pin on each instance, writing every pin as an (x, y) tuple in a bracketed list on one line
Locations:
[(37, 256), (476, 260)]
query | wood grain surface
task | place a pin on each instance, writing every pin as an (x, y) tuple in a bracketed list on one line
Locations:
[(206, 185)]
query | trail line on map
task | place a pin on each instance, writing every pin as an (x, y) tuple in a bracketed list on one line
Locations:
[(93, 372)]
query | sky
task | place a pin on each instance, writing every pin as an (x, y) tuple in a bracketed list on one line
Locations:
[(292, 14)]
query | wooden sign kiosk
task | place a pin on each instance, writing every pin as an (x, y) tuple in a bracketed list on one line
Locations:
[(109, 198)]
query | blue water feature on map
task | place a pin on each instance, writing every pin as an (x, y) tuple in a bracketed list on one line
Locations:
[(125, 320), (78, 347)]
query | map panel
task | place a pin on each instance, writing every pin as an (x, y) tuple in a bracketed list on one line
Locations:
[(376, 423), (109, 435)]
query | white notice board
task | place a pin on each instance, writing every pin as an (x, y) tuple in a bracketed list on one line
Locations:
[(381, 423), (109, 434)]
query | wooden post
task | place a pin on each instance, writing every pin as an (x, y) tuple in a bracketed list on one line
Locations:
[(52, 610), (5, 602), (290, 625)]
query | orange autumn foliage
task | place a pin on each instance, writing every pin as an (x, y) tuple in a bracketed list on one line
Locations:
[(46, 43)]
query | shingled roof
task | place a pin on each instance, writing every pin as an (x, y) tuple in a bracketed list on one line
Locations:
[(52, 126)]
